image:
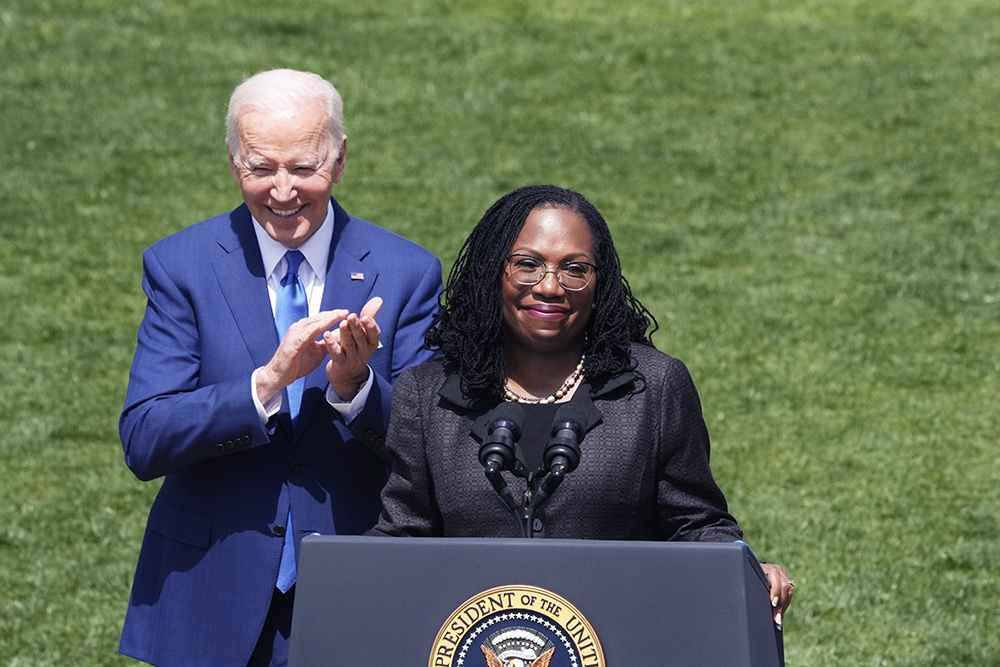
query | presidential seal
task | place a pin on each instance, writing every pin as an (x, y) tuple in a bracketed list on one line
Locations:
[(516, 626)]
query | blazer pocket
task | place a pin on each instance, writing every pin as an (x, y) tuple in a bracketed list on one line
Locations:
[(180, 523)]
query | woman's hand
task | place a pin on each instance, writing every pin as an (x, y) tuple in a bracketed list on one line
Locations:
[(782, 589)]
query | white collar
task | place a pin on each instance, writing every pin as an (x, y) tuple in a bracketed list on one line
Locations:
[(316, 248)]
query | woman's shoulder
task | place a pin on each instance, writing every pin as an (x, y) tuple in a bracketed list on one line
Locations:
[(424, 372), (649, 358), (662, 370)]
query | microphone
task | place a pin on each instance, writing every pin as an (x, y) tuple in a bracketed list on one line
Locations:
[(497, 451), (562, 453)]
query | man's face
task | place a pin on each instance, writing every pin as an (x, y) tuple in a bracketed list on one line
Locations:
[(287, 170)]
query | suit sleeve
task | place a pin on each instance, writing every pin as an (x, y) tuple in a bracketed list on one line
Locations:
[(170, 420), (690, 504), (412, 306), (409, 508)]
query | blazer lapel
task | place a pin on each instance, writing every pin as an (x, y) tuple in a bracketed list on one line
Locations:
[(349, 284), (584, 398), (240, 273)]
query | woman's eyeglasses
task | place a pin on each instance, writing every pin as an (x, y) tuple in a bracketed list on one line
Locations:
[(528, 270)]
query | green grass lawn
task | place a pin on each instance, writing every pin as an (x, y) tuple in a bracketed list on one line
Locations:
[(804, 193)]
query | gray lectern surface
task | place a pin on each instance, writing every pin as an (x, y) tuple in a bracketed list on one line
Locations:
[(411, 602)]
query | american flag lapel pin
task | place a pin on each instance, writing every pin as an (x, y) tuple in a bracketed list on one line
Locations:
[(357, 275)]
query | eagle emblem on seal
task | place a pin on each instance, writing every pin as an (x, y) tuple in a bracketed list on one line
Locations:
[(517, 647)]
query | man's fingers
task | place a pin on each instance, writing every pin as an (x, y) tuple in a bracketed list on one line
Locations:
[(372, 333), (322, 321), (355, 333), (349, 329), (371, 308), (309, 329)]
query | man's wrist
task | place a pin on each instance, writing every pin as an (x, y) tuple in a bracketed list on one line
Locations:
[(267, 384), (347, 391), (350, 408)]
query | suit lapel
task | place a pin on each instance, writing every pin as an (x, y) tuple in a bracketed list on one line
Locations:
[(349, 284), (240, 273)]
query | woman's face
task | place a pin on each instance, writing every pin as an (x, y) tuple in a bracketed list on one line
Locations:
[(546, 317)]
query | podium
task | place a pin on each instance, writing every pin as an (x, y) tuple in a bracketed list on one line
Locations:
[(464, 602)]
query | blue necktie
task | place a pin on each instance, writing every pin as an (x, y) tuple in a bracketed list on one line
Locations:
[(290, 306)]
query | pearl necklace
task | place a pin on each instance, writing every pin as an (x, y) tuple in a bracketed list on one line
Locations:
[(574, 377)]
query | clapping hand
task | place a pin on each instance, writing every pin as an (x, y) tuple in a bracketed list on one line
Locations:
[(350, 346)]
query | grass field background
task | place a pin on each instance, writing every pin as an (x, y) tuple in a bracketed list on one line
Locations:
[(803, 192)]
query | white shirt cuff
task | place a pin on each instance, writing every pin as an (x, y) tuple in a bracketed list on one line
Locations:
[(265, 412), (350, 410)]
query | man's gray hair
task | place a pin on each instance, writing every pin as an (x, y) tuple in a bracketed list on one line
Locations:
[(284, 91)]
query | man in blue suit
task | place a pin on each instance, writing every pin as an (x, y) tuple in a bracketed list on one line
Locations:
[(262, 436)]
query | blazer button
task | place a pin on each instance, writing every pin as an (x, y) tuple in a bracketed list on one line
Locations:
[(294, 465), (537, 525), (279, 531), (229, 444), (245, 440)]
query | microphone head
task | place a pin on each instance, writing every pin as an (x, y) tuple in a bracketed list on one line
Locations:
[(504, 430), (570, 416), (512, 413), (564, 447)]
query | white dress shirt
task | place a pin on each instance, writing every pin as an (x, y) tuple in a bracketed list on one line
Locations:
[(316, 251)]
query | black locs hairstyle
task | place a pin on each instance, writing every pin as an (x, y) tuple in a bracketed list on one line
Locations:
[(469, 327)]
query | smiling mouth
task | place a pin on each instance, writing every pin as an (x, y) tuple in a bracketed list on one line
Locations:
[(289, 213), (546, 313)]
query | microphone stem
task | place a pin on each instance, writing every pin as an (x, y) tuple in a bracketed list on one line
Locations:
[(496, 479), (527, 514)]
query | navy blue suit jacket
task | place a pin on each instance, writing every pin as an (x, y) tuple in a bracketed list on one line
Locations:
[(210, 554)]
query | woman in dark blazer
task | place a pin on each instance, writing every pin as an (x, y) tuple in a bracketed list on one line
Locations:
[(537, 314)]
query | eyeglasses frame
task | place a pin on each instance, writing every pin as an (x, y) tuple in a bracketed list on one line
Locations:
[(547, 271)]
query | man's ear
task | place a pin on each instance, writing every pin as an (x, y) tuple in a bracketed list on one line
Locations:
[(338, 166), (232, 168)]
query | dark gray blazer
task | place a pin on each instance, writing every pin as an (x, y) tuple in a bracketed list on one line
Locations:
[(644, 470)]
